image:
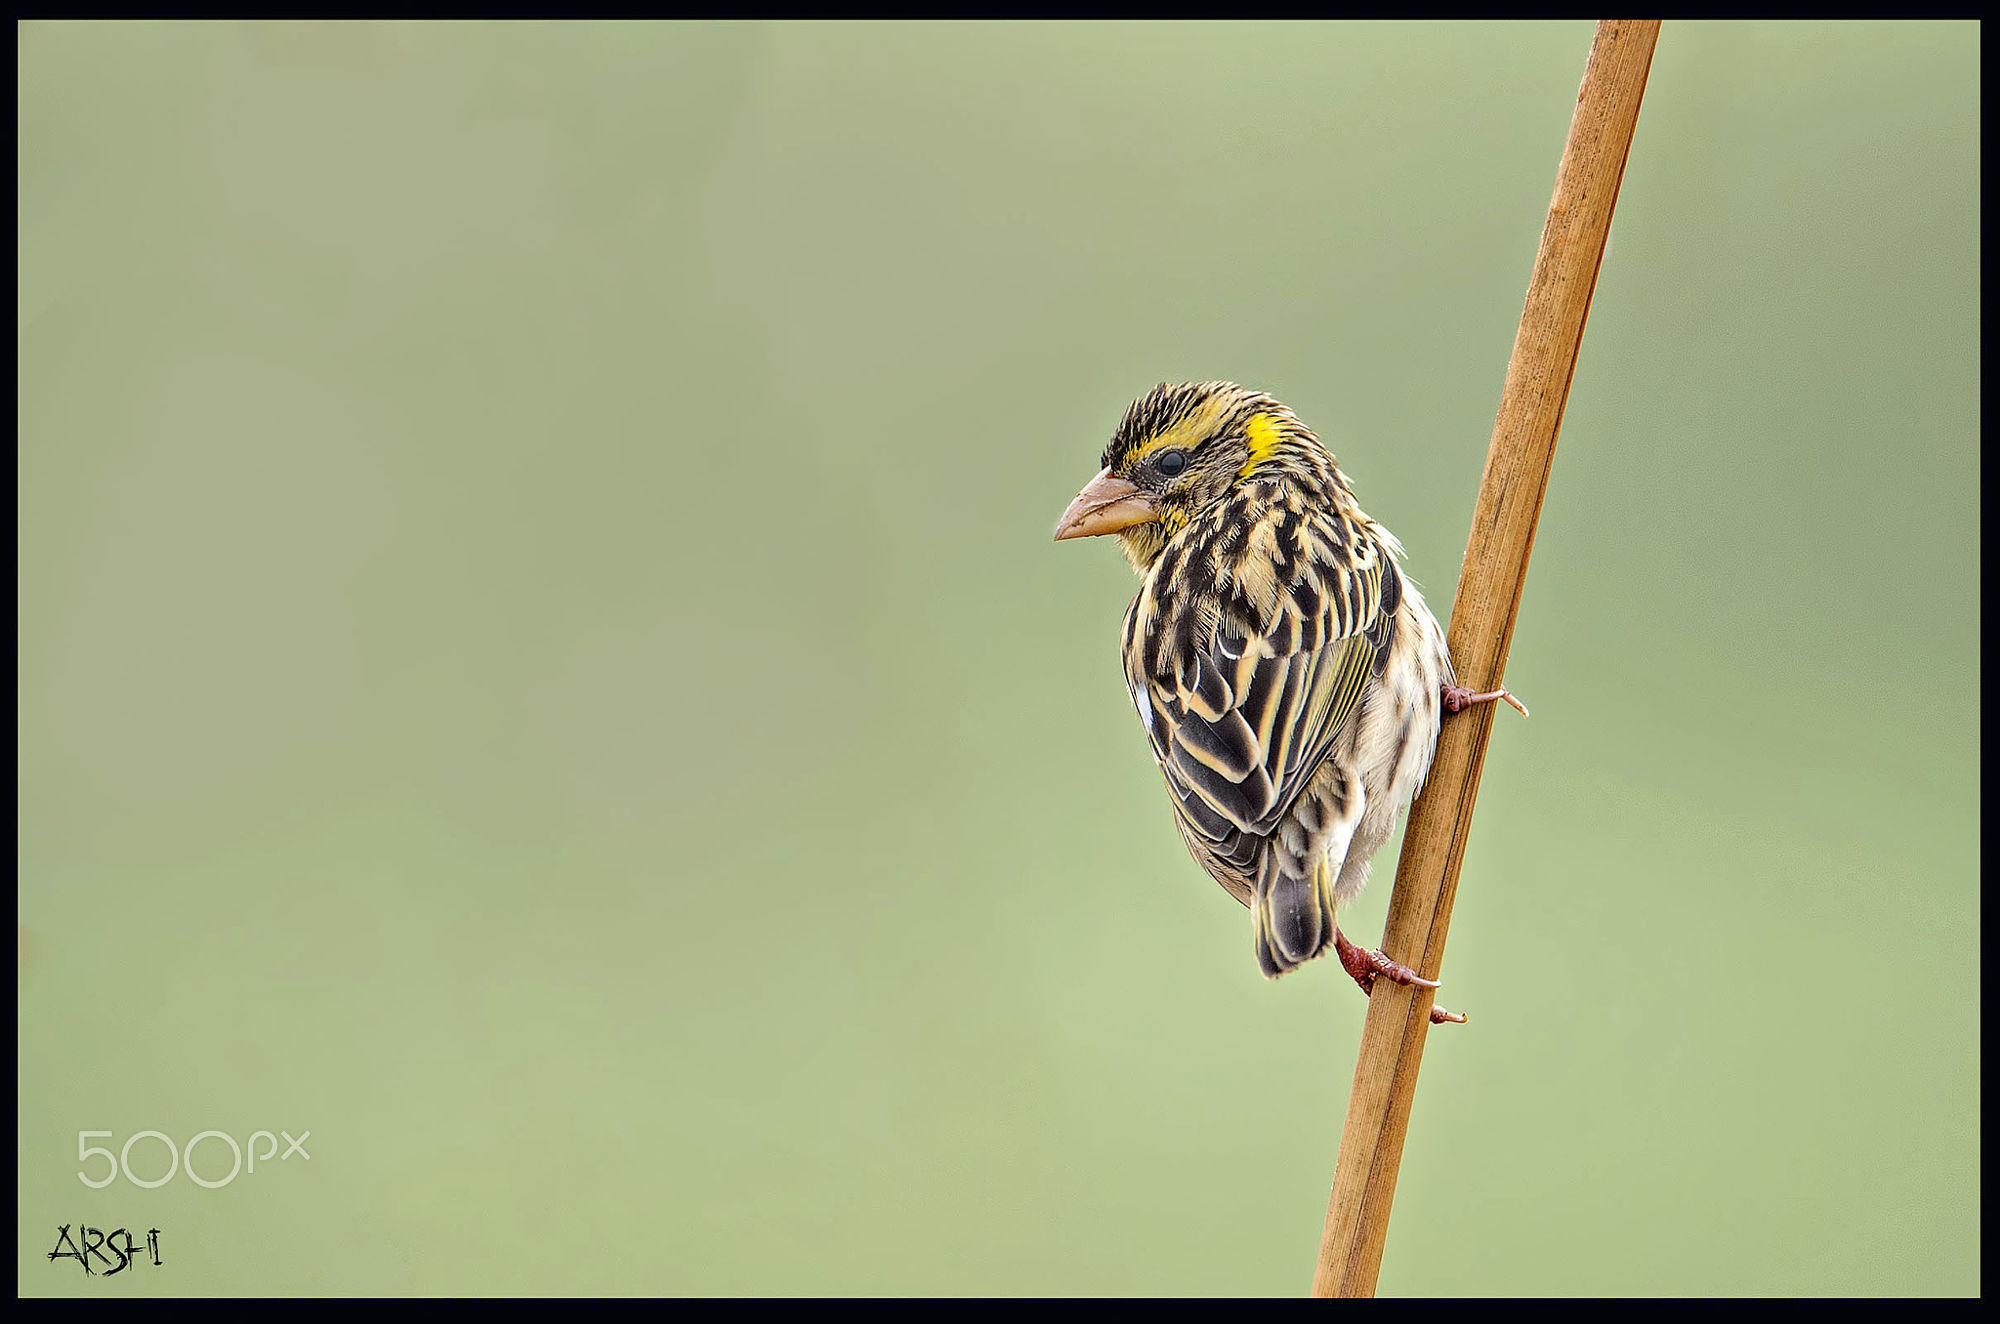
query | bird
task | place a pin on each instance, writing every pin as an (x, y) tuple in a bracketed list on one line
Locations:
[(1289, 678)]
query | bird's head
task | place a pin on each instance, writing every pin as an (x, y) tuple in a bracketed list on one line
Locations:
[(1181, 450)]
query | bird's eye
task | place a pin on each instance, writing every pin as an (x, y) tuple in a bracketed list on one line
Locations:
[(1171, 464)]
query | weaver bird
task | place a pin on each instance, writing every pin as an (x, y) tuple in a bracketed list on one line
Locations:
[(1289, 677)]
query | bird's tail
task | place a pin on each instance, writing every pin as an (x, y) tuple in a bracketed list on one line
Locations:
[(1293, 915)]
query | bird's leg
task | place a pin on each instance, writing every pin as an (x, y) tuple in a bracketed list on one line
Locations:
[(1365, 963), (1457, 699)]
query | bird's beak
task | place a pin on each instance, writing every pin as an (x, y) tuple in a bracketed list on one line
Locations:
[(1105, 505)]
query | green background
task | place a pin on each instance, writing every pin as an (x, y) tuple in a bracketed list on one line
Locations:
[(542, 662)]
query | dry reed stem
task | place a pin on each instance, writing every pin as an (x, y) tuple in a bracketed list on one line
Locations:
[(1482, 627)]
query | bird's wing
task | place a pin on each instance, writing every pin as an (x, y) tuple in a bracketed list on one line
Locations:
[(1243, 711)]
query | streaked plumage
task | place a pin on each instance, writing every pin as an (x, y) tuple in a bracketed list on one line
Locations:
[(1287, 674)]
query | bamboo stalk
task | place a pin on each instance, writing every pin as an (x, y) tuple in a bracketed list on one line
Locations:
[(1482, 627)]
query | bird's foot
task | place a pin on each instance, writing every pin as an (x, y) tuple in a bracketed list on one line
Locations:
[(1364, 964), (1457, 698)]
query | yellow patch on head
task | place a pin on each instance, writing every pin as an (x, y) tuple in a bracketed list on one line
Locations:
[(1263, 435)]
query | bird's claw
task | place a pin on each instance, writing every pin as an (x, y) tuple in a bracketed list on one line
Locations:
[(1365, 965), (1457, 698), (1397, 972)]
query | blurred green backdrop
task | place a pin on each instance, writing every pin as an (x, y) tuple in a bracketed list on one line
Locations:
[(541, 658)]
